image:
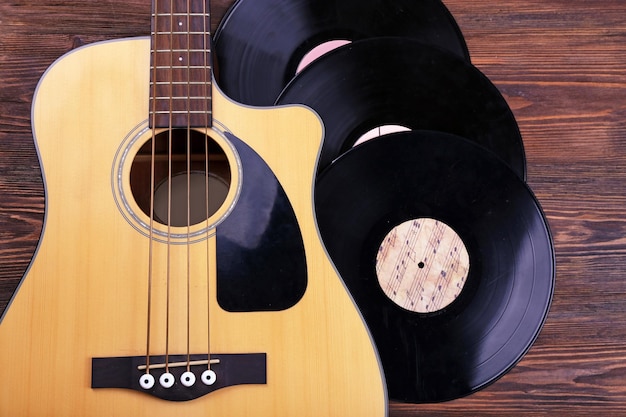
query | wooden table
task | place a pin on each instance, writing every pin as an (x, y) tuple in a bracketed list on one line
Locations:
[(562, 67)]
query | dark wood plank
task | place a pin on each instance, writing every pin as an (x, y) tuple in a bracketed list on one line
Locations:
[(562, 67)]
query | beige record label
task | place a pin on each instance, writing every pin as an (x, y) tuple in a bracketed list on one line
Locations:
[(422, 265)]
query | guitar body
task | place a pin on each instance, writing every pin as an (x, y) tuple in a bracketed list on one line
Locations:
[(84, 295)]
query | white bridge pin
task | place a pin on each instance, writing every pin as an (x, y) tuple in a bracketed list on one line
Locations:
[(167, 380), (208, 377), (146, 381), (188, 379)]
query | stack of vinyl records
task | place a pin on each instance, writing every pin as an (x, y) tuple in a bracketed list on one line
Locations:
[(430, 224)]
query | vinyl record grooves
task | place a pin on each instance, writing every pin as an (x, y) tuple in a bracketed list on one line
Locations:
[(260, 43), (426, 177), (398, 81)]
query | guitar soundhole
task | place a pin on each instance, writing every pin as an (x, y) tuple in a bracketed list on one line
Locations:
[(185, 184)]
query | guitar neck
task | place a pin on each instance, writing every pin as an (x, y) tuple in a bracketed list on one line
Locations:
[(180, 64)]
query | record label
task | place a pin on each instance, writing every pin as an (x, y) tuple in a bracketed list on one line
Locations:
[(422, 265)]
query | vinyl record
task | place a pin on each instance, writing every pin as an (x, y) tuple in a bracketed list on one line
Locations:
[(476, 233), (394, 81), (260, 43)]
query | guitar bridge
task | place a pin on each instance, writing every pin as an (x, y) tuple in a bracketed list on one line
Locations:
[(187, 379)]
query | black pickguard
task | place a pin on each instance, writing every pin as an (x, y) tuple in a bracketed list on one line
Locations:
[(261, 263)]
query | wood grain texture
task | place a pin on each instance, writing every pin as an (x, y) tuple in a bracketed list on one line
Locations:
[(562, 67)]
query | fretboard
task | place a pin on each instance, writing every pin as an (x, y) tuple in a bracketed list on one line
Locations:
[(180, 64)]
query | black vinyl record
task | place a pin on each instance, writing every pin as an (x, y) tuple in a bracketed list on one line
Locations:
[(396, 81), (260, 43), (434, 356)]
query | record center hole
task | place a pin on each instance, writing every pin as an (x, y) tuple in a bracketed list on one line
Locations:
[(187, 184), (422, 265)]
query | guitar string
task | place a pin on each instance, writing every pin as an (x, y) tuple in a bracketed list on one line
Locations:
[(188, 62), (208, 122), (152, 181), (169, 193)]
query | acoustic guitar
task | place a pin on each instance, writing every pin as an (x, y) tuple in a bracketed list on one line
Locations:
[(180, 271)]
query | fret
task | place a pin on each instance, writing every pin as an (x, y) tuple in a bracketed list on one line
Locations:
[(180, 67), (181, 14), (164, 51), (181, 112), (197, 50), (181, 98), (182, 95), (178, 33), (196, 83), (178, 98)]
